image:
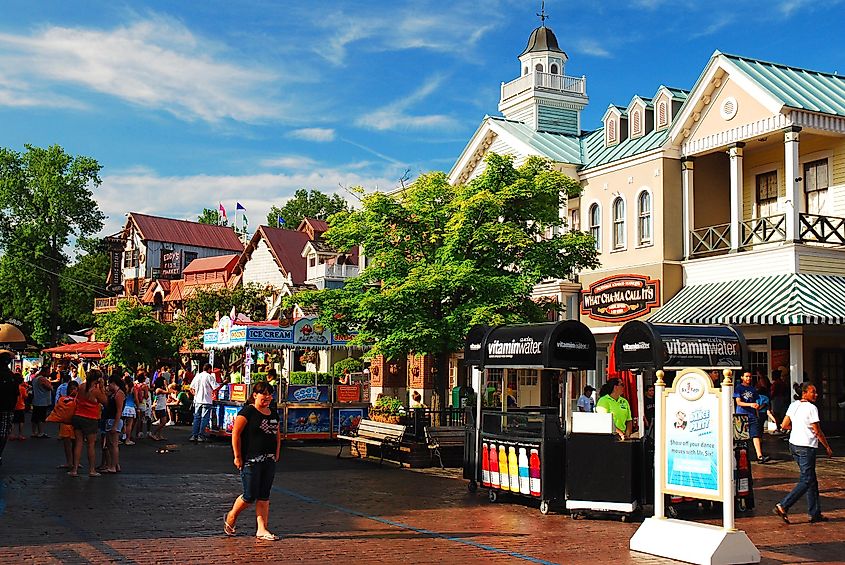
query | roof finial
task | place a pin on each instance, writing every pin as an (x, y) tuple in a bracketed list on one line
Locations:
[(542, 15)]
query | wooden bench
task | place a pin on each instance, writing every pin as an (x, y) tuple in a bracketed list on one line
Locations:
[(384, 435), (442, 437)]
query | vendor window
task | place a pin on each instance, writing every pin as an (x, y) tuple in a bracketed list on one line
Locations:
[(767, 194)]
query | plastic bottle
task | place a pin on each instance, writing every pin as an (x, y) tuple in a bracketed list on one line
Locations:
[(534, 472), (743, 486), (513, 469), (485, 465), (524, 481), (504, 479), (494, 466)]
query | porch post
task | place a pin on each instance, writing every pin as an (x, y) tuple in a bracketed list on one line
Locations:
[(687, 166), (796, 355), (735, 153), (794, 200)]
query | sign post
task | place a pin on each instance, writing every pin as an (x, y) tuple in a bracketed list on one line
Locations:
[(694, 457)]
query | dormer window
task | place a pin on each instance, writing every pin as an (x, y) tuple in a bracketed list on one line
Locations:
[(538, 68), (611, 131), (553, 69)]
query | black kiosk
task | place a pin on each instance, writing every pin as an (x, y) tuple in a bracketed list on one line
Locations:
[(648, 347), (522, 452)]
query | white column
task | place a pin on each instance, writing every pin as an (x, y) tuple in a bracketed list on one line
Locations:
[(735, 153), (792, 174), (687, 166), (796, 355), (727, 455), (659, 392)]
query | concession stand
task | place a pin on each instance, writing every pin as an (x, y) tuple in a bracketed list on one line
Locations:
[(309, 411), (646, 348), (521, 452)]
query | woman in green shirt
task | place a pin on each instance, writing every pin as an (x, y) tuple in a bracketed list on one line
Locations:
[(614, 403)]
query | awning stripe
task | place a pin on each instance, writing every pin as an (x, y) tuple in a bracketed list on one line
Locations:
[(790, 299)]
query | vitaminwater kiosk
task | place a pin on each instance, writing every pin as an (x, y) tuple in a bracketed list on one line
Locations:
[(523, 453), (693, 448)]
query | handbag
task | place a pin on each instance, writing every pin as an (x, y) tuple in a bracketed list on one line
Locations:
[(63, 411)]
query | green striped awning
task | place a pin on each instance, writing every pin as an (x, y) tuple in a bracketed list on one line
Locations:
[(791, 299)]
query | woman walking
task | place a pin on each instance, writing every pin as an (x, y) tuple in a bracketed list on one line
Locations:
[(129, 409), (160, 386), (256, 442), (114, 424), (141, 391), (89, 397)]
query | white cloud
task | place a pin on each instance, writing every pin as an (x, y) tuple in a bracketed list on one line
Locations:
[(394, 115), (143, 190), (289, 162), (591, 47), (788, 7), (319, 135), (156, 63)]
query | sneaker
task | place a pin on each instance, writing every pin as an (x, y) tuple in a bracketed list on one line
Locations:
[(129, 442), (192, 438), (819, 518), (202, 439), (170, 424)]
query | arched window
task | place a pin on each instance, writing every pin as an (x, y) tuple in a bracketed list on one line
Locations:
[(619, 223), (553, 69), (538, 68), (595, 224), (644, 218)]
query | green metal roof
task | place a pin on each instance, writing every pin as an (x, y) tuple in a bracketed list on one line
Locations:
[(802, 89), (677, 93), (596, 154), (559, 147)]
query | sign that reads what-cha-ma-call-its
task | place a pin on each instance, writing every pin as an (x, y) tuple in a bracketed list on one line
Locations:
[(620, 298)]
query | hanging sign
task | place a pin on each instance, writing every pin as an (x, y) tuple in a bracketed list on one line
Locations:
[(620, 298), (692, 433)]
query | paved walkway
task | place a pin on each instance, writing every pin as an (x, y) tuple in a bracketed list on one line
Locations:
[(167, 508)]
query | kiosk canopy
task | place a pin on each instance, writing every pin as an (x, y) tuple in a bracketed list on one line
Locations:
[(643, 345), (561, 345)]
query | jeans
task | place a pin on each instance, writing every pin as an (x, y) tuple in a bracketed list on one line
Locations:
[(807, 482), (202, 414), (257, 479)]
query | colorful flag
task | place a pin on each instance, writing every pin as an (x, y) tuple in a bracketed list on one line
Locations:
[(239, 207), (246, 221), (281, 221), (222, 211)]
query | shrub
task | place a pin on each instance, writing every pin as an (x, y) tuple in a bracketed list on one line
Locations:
[(307, 378), (354, 366)]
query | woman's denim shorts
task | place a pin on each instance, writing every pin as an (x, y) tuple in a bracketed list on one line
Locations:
[(257, 479)]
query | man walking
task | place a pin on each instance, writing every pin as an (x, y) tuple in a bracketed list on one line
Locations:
[(42, 398), (802, 419), (8, 398), (203, 386)]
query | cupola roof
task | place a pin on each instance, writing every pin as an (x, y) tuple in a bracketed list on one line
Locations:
[(542, 39)]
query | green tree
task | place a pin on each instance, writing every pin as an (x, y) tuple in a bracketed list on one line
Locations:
[(209, 216), (444, 257), (200, 310), (45, 201), (306, 204), (81, 282), (134, 336)]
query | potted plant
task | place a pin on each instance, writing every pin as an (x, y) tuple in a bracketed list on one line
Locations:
[(387, 409)]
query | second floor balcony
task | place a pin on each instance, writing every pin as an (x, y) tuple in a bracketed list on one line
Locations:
[(326, 271)]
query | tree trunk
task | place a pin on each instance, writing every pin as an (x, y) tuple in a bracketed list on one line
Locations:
[(441, 379)]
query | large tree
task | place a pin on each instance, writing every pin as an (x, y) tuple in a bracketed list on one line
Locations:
[(443, 258), (46, 201), (201, 309), (306, 204), (135, 337), (81, 282)]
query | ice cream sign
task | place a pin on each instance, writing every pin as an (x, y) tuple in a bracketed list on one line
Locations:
[(620, 298)]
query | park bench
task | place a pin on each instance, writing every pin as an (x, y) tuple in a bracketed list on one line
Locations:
[(442, 437), (385, 436)]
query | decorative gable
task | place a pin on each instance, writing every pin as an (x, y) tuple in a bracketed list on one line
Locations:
[(615, 126), (640, 117)]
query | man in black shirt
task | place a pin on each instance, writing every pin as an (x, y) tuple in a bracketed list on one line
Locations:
[(8, 398)]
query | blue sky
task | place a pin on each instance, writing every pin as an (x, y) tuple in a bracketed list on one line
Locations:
[(186, 104)]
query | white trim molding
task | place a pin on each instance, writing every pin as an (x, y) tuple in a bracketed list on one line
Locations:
[(743, 132), (825, 122)]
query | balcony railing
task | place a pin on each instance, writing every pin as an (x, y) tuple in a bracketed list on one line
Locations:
[(106, 304), (767, 229), (332, 271), (821, 229), (546, 81), (711, 239)]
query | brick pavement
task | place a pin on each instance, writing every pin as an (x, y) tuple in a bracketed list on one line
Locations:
[(167, 508)]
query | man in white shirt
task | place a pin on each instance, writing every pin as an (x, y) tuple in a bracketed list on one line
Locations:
[(802, 419), (585, 401), (203, 387)]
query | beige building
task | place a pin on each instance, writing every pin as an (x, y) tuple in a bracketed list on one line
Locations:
[(721, 204)]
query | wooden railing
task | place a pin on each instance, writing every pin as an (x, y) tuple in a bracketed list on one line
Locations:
[(711, 239), (418, 418), (821, 229), (767, 229)]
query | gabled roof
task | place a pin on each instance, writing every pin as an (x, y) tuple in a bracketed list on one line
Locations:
[(207, 264), (183, 232), (596, 154), (286, 248), (675, 93), (316, 224), (559, 147), (797, 88)]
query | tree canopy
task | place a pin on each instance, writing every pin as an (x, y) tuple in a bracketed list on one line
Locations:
[(201, 308), (46, 201), (443, 258), (134, 336), (306, 204), (81, 282), (209, 216)]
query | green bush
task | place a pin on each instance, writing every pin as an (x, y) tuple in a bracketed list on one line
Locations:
[(307, 378), (354, 366), (389, 405), (258, 377)]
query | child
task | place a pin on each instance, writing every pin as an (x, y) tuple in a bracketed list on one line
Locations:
[(20, 409), (66, 433)]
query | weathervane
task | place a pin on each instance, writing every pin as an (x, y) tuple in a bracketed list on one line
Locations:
[(542, 15)]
